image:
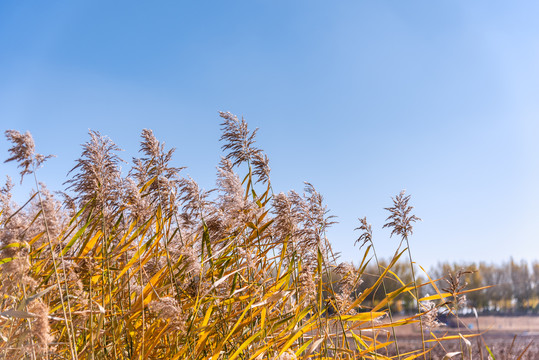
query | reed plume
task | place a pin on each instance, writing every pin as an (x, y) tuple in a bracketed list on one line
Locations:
[(23, 152), (156, 165), (41, 327), (239, 146), (6, 196), (239, 141), (97, 176), (401, 222), (401, 218)]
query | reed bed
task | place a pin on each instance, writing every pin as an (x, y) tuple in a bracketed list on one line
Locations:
[(151, 266)]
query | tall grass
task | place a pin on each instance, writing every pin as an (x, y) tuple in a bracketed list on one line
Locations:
[(151, 266)]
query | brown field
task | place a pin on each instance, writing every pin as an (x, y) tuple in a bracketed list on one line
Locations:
[(506, 336)]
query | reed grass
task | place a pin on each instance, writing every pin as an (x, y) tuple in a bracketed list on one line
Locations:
[(151, 266)]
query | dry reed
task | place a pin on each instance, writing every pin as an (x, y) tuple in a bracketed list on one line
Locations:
[(151, 266)]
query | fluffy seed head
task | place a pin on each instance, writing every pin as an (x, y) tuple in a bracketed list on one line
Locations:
[(307, 287), (456, 283), (401, 218), (430, 316), (238, 139), (287, 216), (5, 197), (155, 164), (98, 175), (366, 232), (41, 327), (167, 308), (23, 152), (261, 167), (194, 200)]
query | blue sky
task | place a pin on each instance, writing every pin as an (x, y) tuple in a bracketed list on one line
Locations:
[(360, 98)]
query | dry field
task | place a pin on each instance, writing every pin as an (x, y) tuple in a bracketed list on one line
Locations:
[(506, 336)]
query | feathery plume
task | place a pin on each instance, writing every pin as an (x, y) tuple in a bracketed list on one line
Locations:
[(261, 167), (13, 246), (5, 197), (304, 219), (23, 151), (239, 140), (189, 255), (306, 285), (138, 206), (167, 308), (194, 200), (316, 218), (430, 316), (347, 284), (456, 283), (232, 207), (366, 232), (315, 221), (401, 218), (156, 164), (51, 210), (286, 209), (98, 176), (230, 189), (41, 328)]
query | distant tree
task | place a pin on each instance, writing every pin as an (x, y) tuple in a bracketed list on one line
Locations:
[(535, 285), (520, 278), (535, 278)]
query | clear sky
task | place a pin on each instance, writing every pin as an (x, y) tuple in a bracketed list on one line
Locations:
[(360, 98)]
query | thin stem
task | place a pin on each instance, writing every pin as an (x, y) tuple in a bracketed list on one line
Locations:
[(416, 295), (141, 353), (30, 328), (388, 302), (69, 324)]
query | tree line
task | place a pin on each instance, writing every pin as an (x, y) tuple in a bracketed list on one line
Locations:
[(514, 285), (509, 287)]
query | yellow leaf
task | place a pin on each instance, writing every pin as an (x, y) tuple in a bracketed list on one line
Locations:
[(90, 244), (366, 316)]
